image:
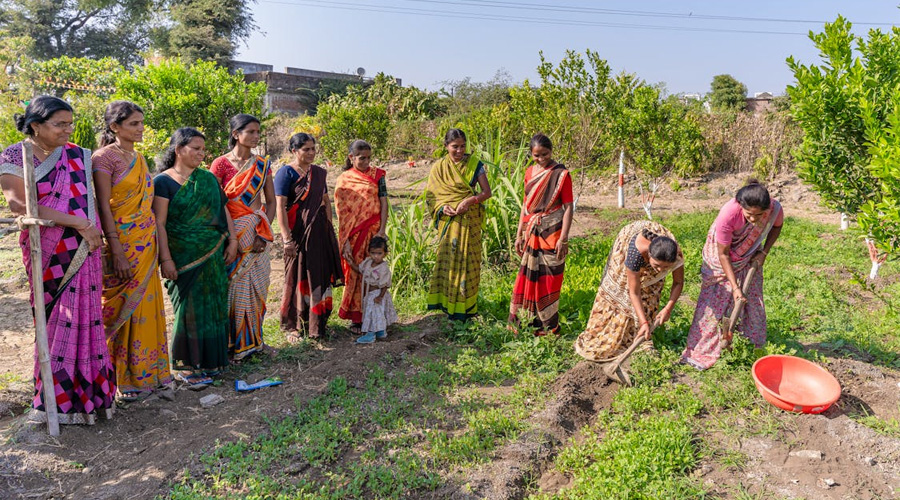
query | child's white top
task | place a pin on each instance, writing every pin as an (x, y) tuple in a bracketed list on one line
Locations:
[(376, 275)]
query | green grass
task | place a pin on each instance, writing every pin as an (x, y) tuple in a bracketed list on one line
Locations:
[(421, 422)]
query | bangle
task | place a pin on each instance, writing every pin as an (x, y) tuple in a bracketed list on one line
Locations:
[(163, 261), (111, 237)]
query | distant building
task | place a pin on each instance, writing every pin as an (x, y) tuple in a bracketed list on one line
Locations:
[(760, 102), (294, 90)]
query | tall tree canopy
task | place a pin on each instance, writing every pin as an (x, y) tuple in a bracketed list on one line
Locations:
[(727, 93), (81, 28), (207, 29)]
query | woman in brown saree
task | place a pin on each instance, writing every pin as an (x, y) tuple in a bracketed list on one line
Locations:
[(312, 261), (627, 302)]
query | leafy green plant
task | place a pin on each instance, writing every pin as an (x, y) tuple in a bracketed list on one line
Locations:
[(84, 134)]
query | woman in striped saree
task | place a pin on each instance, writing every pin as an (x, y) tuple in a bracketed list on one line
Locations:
[(83, 377), (457, 211), (133, 306), (247, 179), (542, 239)]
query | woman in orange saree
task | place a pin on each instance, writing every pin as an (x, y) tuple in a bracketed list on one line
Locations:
[(245, 177), (133, 306), (362, 207)]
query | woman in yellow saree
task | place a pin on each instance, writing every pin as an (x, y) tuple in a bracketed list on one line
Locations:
[(457, 211), (133, 307)]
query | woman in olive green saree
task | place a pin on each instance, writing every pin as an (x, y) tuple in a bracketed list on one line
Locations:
[(457, 211), (193, 228)]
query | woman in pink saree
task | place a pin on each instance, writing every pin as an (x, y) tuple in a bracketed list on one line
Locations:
[(83, 377), (744, 231)]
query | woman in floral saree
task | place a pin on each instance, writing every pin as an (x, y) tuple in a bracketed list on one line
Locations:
[(193, 227), (133, 305), (542, 239), (83, 377), (744, 231), (457, 211), (627, 301), (360, 199), (246, 178)]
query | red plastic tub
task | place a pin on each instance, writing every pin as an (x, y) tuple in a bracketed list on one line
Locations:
[(795, 384)]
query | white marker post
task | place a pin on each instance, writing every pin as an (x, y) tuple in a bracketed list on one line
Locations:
[(37, 286), (845, 222), (622, 179)]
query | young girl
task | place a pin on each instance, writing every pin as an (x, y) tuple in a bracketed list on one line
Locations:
[(377, 304)]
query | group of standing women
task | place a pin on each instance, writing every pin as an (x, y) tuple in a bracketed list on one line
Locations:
[(208, 231)]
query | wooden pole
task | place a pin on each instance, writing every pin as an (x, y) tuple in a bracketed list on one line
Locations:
[(37, 286)]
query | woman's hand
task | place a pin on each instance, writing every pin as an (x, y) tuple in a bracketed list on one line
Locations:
[(464, 205), (520, 245), (347, 252), (760, 257), (230, 251), (664, 315), (381, 234), (449, 211), (259, 245), (644, 330), (290, 248), (562, 249), (378, 299), (737, 294), (121, 266), (91, 234), (168, 270)]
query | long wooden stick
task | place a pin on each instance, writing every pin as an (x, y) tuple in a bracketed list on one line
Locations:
[(728, 334), (614, 370), (37, 286)]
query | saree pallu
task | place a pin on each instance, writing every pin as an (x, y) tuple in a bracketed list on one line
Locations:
[(359, 216), (312, 266), (614, 322), (133, 309), (716, 301), (83, 376), (197, 228), (249, 273), (540, 278), (457, 267)]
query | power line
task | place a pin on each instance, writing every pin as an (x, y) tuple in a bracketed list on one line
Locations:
[(532, 20), (626, 12)]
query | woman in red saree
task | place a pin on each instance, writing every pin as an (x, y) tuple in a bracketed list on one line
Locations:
[(542, 239), (83, 376), (362, 207), (245, 177)]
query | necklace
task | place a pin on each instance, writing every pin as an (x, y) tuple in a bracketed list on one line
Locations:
[(181, 177), (129, 154), (237, 160), (299, 170), (45, 151)]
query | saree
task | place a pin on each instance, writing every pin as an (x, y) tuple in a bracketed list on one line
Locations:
[(716, 300), (83, 377), (359, 217), (313, 266), (133, 309), (614, 322), (457, 268), (248, 275), (197, 228), (540, 278)]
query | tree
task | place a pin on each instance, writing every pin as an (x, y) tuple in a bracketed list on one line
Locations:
[(81, 28), (849, 108), (176, 94), (207, 30), (727, 94)]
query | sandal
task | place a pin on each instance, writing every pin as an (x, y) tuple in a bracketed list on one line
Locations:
[(356, 328), (194, 380), (293, 337), (133, 396)]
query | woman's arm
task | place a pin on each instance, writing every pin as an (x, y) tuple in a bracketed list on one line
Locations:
[(634, 293), (14, 191), (382, 230), (770, 242), (166, 265), (562, 246), (326, 202), (232, 246), (520, 238), (281, 202), (674, 293), (269, 193), (725, 260), (481, 197), (103, 187)]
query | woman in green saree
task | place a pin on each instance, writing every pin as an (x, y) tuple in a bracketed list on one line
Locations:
[(196, 241), (457, 211)]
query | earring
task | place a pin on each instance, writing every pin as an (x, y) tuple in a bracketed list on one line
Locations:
[(36, 133)]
